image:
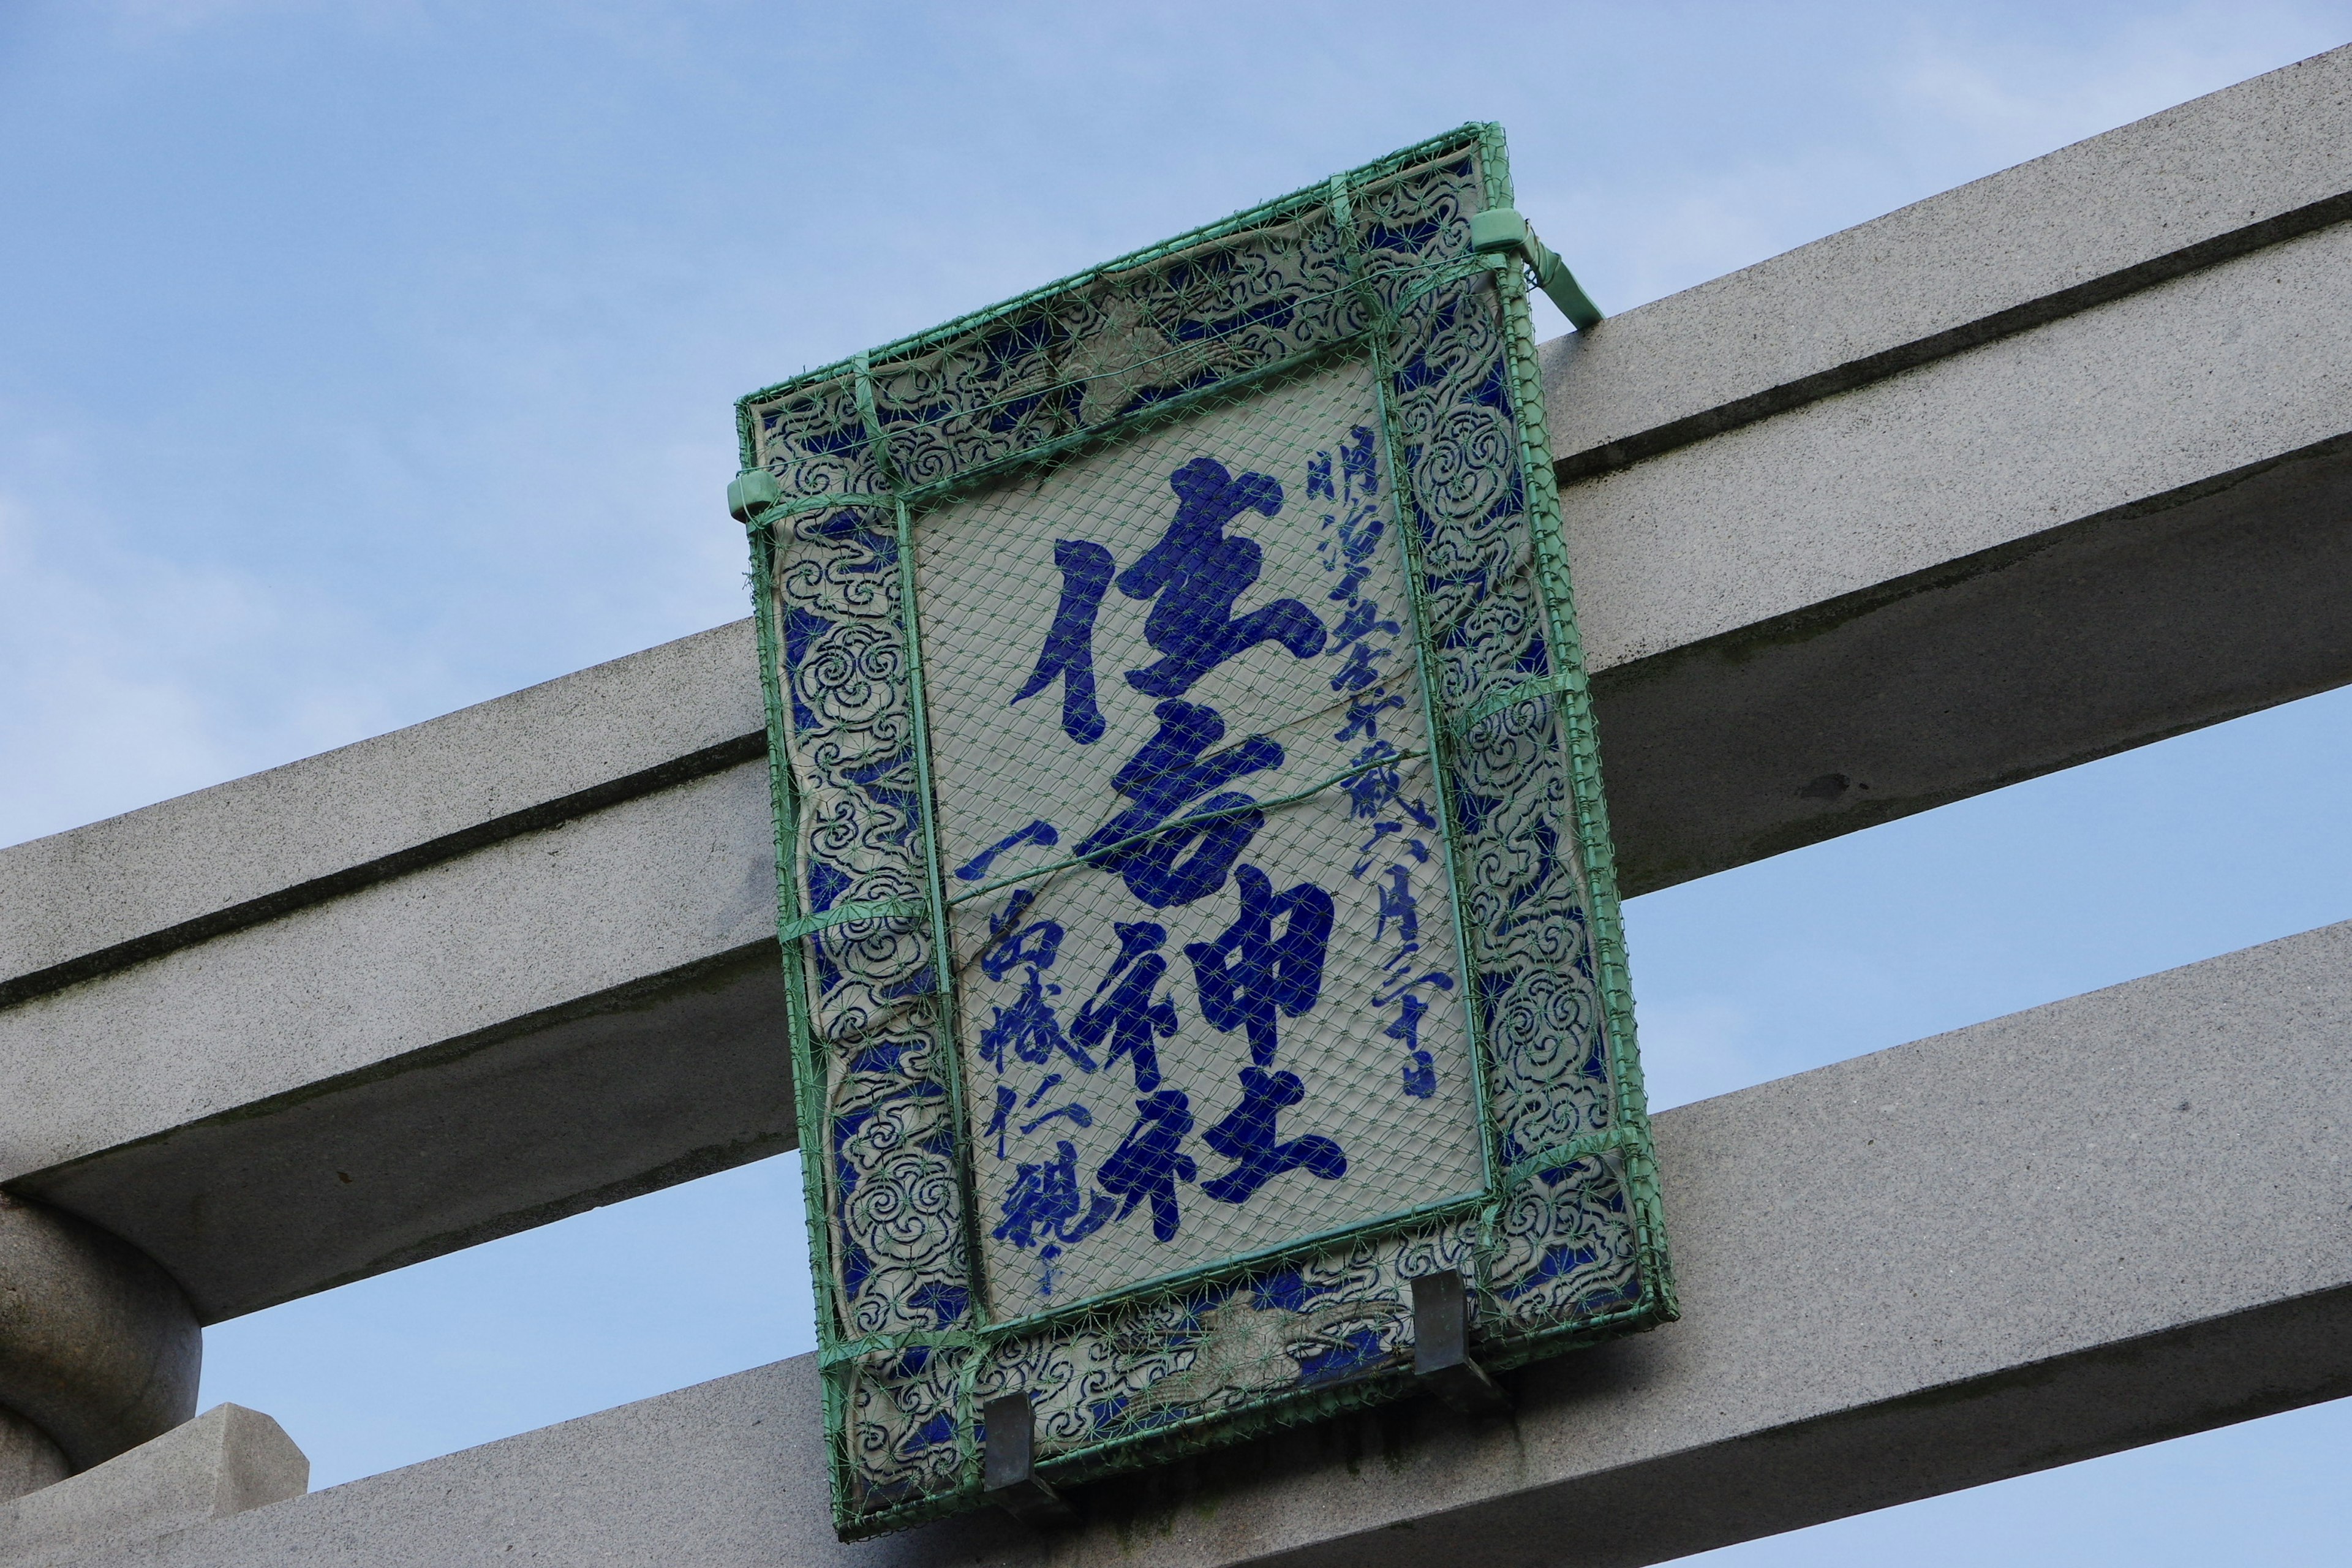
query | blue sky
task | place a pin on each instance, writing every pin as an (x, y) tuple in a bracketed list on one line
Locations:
[(361, 361)]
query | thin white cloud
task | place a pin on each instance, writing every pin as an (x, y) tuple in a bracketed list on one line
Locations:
[(2016, 98), (116, 658)]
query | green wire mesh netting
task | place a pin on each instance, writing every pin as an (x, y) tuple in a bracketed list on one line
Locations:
[(1195, 888)]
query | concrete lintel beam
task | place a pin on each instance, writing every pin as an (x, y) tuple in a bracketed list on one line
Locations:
[(2122, 525), (2096, 1223), (585, 1012)]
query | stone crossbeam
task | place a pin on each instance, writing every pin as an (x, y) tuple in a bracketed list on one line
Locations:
[(2044, 467), (2100, 1222)]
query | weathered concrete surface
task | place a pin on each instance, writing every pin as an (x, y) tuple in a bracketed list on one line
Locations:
[(426, 990), (620, 1093), (29, 1460), (555, 1020), (227, 1461), (98, 1349), (2101, 1222), (415, 1015), (1909, 584), (2125, 524)]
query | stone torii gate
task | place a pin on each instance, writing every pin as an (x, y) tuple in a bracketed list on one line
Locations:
[(2046, 466)]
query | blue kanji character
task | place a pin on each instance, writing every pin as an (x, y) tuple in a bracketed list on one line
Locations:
[(1420, 1069), (1044, 1203), (1412, 847), (1040, 833), (1363, 619), (1364, 718), (1365, 850), (1357, 532), (1436, 977), (1128, 1018), (1078, 1114), (1028, 1029), (1002, 1115), (1249, 973), (1069, 652), (1247, 1138), (1036, 944), (1195, 572), (1151, 1160), (1164, 775), (1397, 904), (1375, 787), (1357, 672), (1360, 460)]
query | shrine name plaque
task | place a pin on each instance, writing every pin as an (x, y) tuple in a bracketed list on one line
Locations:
[(1196, 894)]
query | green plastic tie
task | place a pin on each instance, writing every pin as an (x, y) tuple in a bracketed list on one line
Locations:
[(1567, 682), (1502, 228), (842, 914), (1568, 1153)]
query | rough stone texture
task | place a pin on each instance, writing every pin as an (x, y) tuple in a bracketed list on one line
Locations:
[(98, 1349), (2122, 523), (2236, 169), (2121, 526), (557, 1020), (2199, 376), (621, 1093), (29, 1460), (227, 1461), (2101, 1222)]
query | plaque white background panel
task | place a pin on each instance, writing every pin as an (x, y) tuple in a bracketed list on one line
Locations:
[(1017, 791)]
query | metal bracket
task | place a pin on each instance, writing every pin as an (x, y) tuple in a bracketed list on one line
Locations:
[(1502, 228), (1008, 1474), (1441, 1347)]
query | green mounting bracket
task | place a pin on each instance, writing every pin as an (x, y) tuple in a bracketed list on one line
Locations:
[(752, 493), (1502, 228)]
